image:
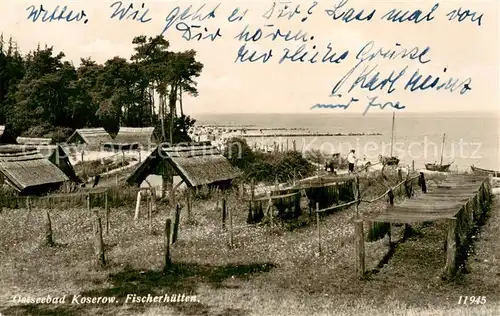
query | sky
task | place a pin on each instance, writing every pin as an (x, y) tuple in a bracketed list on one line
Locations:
[(465, 49)]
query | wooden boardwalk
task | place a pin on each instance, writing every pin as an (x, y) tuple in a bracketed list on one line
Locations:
[(462, 200), (440, 202)]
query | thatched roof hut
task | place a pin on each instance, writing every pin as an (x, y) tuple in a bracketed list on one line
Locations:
[(27, 171), (132, 138), (33, 141), (92, 137), (59, 157), (197, 164)]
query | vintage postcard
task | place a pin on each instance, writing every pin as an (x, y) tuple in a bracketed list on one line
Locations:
[(249, 157)]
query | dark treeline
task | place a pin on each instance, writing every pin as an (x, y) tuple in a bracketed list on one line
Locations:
[(42, 95)]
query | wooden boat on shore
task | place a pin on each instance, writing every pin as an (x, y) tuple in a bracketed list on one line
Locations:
[(439, 167), (484, 172)]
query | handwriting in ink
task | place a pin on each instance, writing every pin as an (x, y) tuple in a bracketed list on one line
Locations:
[(462, 14), (129, 13), (394, 105), (416, 16), (302, 55), (57, 14), (371, 81), (199, 15), (284, 11), (245, 55), (335, 106), (430, 82), (236, 15), (247, 35), (189, 32), (368, 52), (350, 15)]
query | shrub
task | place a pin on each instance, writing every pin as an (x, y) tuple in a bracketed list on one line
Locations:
[(266, 167)]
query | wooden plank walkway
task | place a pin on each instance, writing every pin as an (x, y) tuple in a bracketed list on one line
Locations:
[(441, 202)]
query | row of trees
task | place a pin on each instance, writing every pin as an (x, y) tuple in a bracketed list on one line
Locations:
[(41, 94)]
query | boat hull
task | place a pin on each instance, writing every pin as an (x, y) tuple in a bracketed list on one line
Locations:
[(484, 172), (436, 167)]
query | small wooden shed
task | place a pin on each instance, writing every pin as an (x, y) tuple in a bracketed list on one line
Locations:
[(197, 164), (28, 172), (91, 137)]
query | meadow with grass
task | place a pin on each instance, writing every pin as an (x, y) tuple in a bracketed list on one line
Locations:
[(267, 271)]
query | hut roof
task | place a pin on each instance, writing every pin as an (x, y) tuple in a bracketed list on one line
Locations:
[(25, 167), (134, 135), (196, 163), (90, 136), (33, 141)]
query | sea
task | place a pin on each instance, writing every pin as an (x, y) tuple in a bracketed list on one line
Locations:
[(469, 138)]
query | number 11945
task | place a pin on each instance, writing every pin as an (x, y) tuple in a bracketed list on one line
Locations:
[(464, 300)]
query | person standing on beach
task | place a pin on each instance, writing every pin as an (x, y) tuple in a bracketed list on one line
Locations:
[(351, 159)]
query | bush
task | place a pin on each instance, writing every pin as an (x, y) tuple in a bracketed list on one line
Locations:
[(266, 167)]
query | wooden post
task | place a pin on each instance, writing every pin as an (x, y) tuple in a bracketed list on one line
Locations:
[(360, 247), (400, 175), (355, 190), (451, 248), (224, 213), (287, 144), (294, 145), (318, 228), (106, 211), (167, 261), (391, 197), (137, 205), (413, 165), (188, 203), (98, 242), (230, 214), (252, 190), (89, 207), (49, 240), (175, 234), (422, 182), (150, 212)]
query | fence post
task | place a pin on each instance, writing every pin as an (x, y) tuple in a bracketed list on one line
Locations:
[(413, 165), (230, 214), (150, 211), (49, 240), (137, 205), (422, 182), (177, 217), (451, 248), (360, 247), (167, 261), (98, 242), (224, 212), (88, 203), (106, 210), (318, 228), (188, 202), (390, 194)]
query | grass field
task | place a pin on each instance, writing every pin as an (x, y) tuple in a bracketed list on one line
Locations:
[(267, 272)]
